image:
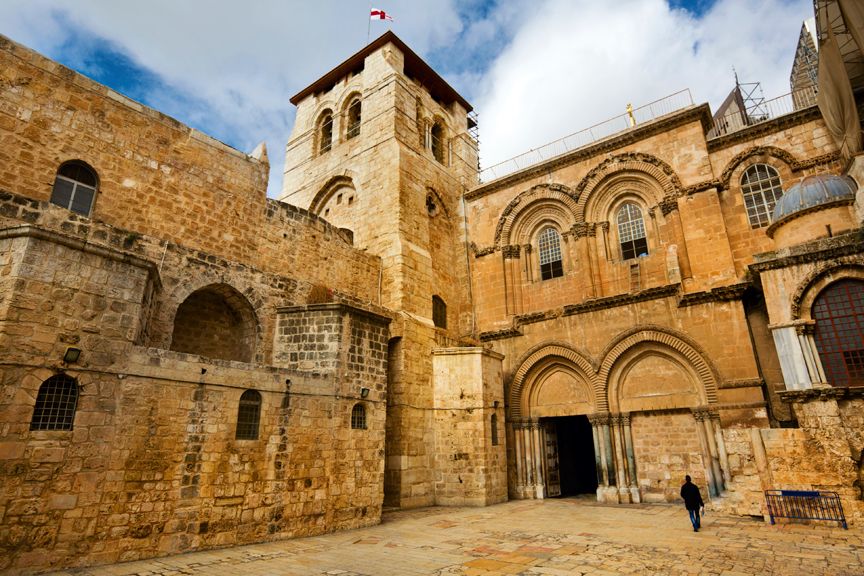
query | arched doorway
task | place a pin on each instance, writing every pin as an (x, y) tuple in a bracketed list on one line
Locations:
[(554, 450)]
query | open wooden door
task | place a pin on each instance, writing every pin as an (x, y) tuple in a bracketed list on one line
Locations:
[(551, 468)]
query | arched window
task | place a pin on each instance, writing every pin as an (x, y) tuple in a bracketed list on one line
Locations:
[(325, 132), (248, 415), (437, 136), (549, 248), (439, 312), (353, 124), (631, 232), (760, 185), (494, 426), (358, 417), (839, 335), (55, 404), (75, 187)]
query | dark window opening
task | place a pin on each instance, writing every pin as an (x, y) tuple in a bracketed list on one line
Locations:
[(549, 247), (439, 312), (55, 404), (75, 187), (354, 111), (248, 415), (839, 335), (494, 427), (358, 417), (631, 232), (437, 136), (325, 132)]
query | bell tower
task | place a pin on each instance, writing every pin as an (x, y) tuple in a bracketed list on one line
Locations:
[(382, 146)]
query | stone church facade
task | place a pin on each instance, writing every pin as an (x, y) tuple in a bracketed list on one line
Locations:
[(188, 364)]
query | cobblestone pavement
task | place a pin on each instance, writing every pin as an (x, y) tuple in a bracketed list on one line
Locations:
[(531, 538)]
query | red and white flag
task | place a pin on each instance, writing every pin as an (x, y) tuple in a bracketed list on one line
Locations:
[(376, 14)]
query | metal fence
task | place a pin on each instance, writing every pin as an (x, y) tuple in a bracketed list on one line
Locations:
[(636, 116), (763, 111), (805, 505)]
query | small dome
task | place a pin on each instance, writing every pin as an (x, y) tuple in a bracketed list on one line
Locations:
[(812, 191)]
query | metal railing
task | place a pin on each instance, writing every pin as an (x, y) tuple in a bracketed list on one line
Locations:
[(762, 112), (616, 125), (805, 505)]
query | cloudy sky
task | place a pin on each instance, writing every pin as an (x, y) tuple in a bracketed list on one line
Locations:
[(535, 70)]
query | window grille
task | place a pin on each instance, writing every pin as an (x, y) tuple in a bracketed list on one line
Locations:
[(325, 132), (75, 187), (839, 335), (761, 187), (248, 415), (55, 404), (631, 232), (358, 417), (494, 426), (439, 312), (549, 247), (354, 116)]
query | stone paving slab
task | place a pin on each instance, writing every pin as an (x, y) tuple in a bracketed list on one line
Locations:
[(533, 538)]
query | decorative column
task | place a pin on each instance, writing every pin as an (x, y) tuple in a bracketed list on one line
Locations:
[(631, 458), (607, 492), (721, 447), (512, 279), (713, 486), (583, 232), (520, 457), (540, 456), (796, 351), (599, 468), (620, 467)]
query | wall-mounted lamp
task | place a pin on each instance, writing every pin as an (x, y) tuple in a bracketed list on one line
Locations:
[(364, 392), (71, 355)]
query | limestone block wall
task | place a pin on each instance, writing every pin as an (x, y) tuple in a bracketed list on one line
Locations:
[(470, 463), (152, 467), (157, 178), (667, 447)]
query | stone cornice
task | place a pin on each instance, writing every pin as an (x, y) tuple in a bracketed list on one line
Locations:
[(640, 132), (721, 294), (339, 307), (818, 250), (500, 334), (741, 383), (829, 393), (774, 125)]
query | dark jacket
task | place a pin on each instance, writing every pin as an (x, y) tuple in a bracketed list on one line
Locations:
[(692, 497)]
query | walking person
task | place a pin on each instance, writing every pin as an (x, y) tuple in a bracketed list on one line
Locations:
[(692, 501)]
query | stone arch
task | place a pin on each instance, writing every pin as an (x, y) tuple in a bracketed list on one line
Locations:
[(351, 95), (438, 207), (633, 165), (538, 366), (606, 199), (762, 153), (551, 198), (323, 196), (820, 278), (216, 321), (674, 347)]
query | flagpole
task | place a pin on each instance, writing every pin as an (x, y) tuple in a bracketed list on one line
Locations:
[(368, 23)]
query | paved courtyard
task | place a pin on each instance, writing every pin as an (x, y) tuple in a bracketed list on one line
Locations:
[(535, 537)]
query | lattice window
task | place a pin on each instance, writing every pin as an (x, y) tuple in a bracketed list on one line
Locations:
[(75, 187), (325, 132), (761, 187), (839, 336), (358, 417), (631, 232), (549, 247), (354, 116), (439, 312), (55, 404), (248, 415), (494, 426)]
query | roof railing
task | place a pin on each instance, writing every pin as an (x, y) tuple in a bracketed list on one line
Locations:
[(764, 111), (633, 117)]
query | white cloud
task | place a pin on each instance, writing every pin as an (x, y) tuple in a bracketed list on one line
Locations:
[(575, 63), (535, 70)]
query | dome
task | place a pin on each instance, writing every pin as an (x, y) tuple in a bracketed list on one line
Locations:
[(812, 191)]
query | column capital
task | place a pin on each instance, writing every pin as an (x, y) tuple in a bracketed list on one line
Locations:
[(598, 418)]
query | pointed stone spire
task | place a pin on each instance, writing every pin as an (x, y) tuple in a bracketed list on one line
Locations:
[(260, 153)]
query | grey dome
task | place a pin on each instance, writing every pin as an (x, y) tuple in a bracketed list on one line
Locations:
[(812, 191)]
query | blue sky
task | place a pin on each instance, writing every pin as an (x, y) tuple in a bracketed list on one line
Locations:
[(535, 70)]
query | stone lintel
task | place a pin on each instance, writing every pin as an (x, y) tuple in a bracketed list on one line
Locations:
[(467, 350)]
